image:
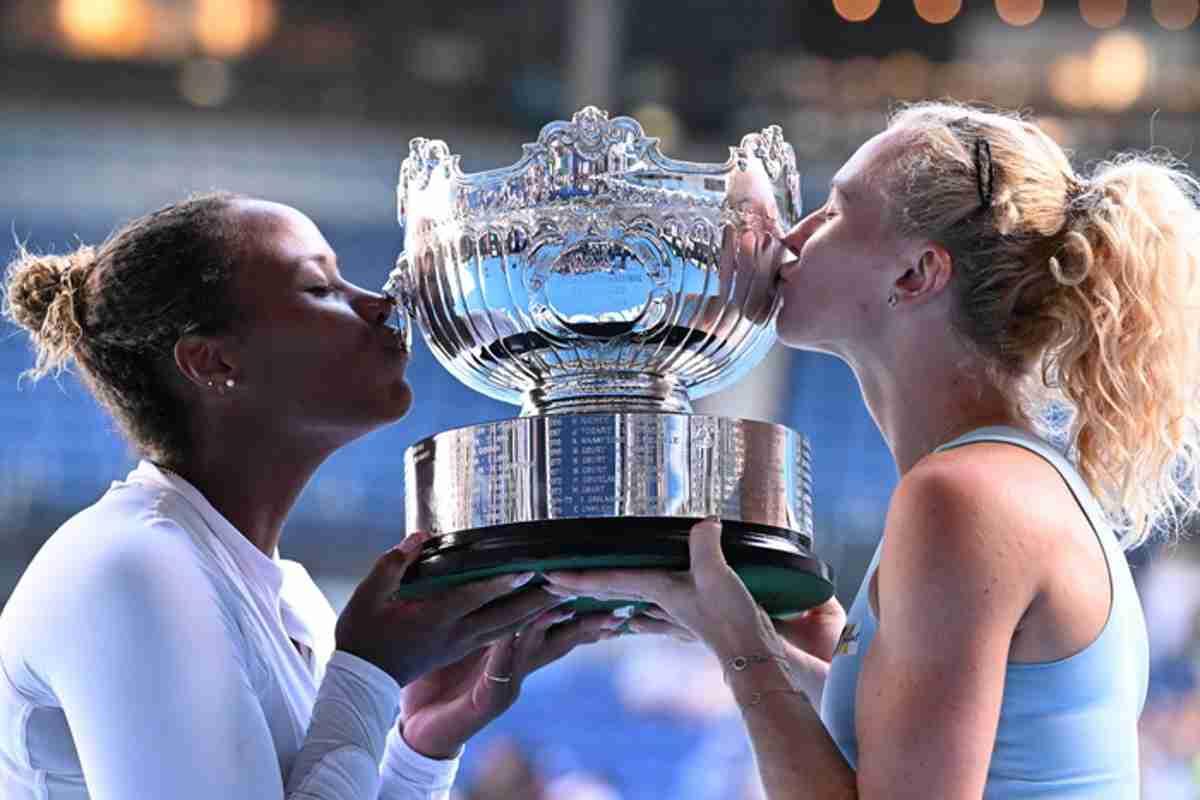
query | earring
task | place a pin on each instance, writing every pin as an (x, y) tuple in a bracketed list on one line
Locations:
[(211, 384), (892, 300), (229, 382)]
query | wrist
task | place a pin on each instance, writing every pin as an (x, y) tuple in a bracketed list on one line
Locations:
[(444, 750)]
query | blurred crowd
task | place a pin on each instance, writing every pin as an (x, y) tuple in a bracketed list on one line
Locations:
[(1170, 727)]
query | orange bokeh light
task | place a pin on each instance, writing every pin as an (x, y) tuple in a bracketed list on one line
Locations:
[(231, 28), (938, 11), (1175, 15), (1103, 13), (1019, 12), (106, 28), (856, 10)]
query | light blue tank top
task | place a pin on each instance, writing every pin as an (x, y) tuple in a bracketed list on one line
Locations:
[(1068, 728)]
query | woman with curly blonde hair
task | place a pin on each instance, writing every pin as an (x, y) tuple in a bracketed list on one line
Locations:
[(986, 295)]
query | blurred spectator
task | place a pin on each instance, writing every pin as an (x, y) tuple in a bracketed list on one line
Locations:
[(506, 772)]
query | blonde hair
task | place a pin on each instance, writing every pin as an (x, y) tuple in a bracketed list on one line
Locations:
[(1076, 289)]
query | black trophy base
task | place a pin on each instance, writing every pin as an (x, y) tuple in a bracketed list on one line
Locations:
[(783, 576)]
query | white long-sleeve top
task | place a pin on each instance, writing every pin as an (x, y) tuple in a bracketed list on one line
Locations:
[(147, 652)]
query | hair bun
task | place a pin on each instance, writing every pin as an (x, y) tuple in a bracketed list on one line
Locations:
[(41, 296)]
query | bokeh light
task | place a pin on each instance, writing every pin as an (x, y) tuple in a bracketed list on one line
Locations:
[(1103, 13), (232, 28), (1120, 70), (106, 28), (907, 75), (205, 82), (856, 10), (1019, 12), (660, 121), (1069, 80), (1175, 15), (938, 12)]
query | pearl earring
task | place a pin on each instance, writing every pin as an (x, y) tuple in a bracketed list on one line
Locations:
[(230, 382)]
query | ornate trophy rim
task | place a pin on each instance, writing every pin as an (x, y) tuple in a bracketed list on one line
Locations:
[(611, 145), (591, 185)]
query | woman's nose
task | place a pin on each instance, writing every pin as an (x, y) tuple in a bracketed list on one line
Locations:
[(375, 307), (795, 238), (798, 235)]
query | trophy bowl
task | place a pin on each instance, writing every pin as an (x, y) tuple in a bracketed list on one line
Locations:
[(602, 286)]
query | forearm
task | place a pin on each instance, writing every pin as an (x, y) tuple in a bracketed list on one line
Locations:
[(796, 756), (809, 673), (342, 753)]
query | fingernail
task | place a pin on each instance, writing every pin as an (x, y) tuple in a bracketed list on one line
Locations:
[(559, 591), (522, 578), (624, 612), (563, 616), (613, 622)]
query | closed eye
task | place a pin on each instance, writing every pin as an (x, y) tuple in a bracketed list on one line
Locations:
[(319, 291)]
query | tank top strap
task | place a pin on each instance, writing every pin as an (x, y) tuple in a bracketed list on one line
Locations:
[(1075, 483)]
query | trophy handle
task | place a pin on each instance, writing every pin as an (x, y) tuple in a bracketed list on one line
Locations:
[(399, 288)]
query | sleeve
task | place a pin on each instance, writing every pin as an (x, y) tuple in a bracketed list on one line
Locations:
[(152, 678), (356, 708), (408, 775)]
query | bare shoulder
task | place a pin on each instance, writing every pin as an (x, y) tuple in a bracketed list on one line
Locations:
[(1008, 493), (971, 526)]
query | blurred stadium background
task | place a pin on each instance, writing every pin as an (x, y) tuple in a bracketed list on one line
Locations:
[(109, 108)]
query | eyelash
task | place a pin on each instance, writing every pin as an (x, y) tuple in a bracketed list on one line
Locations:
[(320, 291)]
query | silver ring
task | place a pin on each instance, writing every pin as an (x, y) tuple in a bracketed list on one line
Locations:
[(498, 678)]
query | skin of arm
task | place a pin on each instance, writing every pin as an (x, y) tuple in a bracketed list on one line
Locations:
[(957, 574), (955, 578)]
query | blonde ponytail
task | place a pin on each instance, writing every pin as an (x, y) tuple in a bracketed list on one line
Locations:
[(1128, 357), (1076, 289)]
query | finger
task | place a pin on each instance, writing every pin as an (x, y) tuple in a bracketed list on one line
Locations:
[(562, 638), (704, 547), (653, 626), (389, 568), (532, 637), (647, 585), (654, 612), (462, 600), (507, 615), (499, 681)]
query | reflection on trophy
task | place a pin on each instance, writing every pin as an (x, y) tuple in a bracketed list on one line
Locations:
[(603, 286)]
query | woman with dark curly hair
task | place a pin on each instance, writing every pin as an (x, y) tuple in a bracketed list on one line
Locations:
[(157, 646), (982, 291)]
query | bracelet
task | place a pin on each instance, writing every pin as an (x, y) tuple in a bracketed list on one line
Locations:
[(742, 663), (757, 697)]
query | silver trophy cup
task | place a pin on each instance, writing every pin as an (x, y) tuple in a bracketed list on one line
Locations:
[(603, 286)]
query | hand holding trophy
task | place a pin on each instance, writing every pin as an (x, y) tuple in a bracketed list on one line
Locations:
[(603, 286)]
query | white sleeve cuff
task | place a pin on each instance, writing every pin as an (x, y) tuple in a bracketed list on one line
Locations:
[(407, 773)]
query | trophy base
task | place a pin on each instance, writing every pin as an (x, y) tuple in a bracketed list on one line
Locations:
[(784, 577)]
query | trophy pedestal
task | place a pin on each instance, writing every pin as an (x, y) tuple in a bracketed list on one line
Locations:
[(614, 490)]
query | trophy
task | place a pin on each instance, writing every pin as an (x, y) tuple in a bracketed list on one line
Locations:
[(603, 287)]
